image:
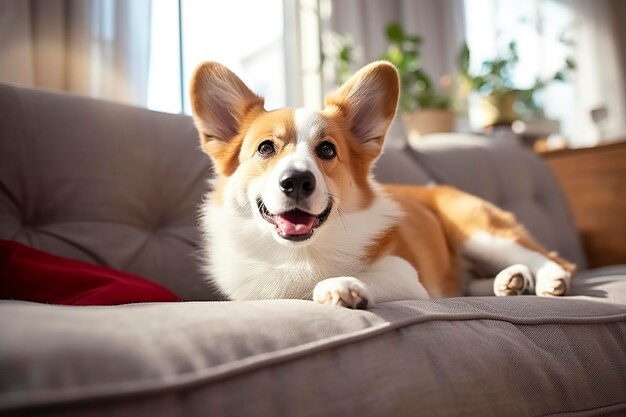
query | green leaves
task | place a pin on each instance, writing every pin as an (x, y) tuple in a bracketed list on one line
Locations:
[(464, 59), (496, 75), (417, 90), (394, 32), (340, 50), (513, 56)]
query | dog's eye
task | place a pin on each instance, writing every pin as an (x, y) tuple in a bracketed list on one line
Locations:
[(266, 149), (326, 150)]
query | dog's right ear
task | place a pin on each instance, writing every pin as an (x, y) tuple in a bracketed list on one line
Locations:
[(221, 105)]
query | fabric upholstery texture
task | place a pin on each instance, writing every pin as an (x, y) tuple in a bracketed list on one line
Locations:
[(463, 356), (397, 166), (119, 186), (103, 183)]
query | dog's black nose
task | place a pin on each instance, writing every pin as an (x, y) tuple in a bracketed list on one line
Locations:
[(297, 184)]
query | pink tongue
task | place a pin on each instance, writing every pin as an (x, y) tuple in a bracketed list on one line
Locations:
[(295, 222)]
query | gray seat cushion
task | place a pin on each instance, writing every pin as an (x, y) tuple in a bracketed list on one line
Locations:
[(608, 283), (514, 356)]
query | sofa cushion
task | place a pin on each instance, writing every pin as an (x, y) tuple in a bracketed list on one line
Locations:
[(103, 183), (607, 283), (398, 166), (514, 356)]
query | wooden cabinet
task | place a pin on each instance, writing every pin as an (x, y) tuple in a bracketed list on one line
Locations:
[(594, 182)]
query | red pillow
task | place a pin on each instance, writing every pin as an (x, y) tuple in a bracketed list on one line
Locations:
[(32, 275)]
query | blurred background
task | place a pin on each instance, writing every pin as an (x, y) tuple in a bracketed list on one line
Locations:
[(550, 72)]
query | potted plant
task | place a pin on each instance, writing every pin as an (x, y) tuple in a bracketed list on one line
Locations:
[(500, 100), (425, 107), (340, 51)]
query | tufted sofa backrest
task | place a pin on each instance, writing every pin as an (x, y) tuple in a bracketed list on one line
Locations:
[(510, 176), (103, 183)]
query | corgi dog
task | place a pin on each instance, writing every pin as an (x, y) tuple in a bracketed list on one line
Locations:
[(296, 213)]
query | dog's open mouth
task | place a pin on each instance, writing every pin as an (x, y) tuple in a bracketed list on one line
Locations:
[(295, 225)]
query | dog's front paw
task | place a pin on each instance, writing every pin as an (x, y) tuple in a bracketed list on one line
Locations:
[(342, 291)]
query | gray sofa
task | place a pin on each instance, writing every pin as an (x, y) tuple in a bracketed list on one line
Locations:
[(116, 185)]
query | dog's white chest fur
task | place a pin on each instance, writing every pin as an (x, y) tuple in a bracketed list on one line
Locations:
[(247, 263)]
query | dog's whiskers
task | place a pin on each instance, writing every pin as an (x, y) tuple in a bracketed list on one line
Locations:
[(340, 210)]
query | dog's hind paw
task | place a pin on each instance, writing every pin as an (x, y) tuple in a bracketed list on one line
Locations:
[(514, 280), (552, 280), (342, 291)]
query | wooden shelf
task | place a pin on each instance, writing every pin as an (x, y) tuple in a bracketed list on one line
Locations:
[(594, 182)]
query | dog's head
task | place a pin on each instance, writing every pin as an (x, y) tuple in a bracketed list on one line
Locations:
[(293, 169)]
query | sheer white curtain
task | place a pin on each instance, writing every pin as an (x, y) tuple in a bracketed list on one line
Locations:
[(600, 81), (93, 47), (439, 22)]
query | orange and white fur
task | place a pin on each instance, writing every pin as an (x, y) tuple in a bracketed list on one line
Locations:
[(296, 213)]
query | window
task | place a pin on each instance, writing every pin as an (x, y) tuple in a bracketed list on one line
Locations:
[(541, 29), (245, 35), (164, 84)]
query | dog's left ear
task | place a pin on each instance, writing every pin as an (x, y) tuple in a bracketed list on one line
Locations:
[(368, 100)]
